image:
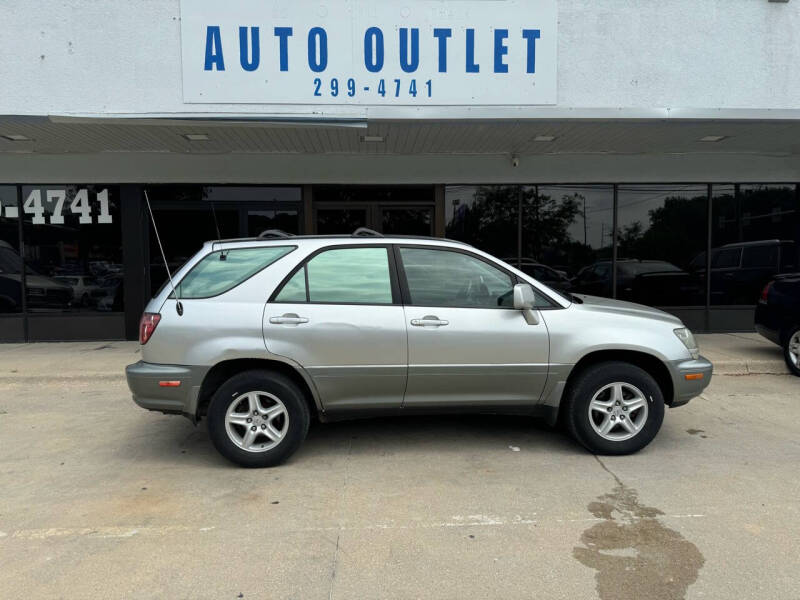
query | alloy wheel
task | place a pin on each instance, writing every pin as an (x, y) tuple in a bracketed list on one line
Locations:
[(794, 349), (256, 421), (618, 411)]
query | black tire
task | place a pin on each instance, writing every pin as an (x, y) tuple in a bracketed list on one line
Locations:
[(787, 344), (259, 381), (594, 378)]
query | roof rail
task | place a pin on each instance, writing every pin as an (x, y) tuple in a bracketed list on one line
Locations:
[(274, 233), (366, 232)]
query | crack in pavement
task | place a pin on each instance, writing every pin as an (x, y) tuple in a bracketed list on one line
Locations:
[(633, 553)]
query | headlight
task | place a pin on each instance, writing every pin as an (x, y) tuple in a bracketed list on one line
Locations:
[(685, 336)]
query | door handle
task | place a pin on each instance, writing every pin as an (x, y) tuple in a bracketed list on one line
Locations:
[(288, 319), (429, 321)]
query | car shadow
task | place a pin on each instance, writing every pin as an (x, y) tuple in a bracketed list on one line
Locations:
[(176, 441)]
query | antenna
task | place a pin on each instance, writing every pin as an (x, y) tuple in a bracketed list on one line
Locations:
[(178, 306)]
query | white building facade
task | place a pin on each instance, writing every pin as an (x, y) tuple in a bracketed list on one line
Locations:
[(644, 151)]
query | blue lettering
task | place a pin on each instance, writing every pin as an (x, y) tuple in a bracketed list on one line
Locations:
[(405, 64), (442, 35), (373, 62), (283, 33), (250, 64), (214, 49), (500, 50), (317, 40), (531, 35), (471, 66)]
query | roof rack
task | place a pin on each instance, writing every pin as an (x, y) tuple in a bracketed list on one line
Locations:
[(366, 232), (274, 233)]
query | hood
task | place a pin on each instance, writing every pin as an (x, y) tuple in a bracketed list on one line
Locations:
[(620, 307)]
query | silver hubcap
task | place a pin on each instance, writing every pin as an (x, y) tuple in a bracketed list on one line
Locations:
[(794, 349), (618, 411), (256, 421)]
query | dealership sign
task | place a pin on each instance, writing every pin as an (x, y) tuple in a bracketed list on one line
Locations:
[(362, 52)]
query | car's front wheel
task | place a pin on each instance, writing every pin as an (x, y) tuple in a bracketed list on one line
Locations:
[(791, 351), (614, 408), (258, 418)]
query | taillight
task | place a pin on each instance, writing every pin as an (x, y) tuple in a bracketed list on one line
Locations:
[(765, 293), (147, 326)]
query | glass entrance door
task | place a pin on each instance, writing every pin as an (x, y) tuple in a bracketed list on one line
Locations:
[(406, 220), (391, 210)]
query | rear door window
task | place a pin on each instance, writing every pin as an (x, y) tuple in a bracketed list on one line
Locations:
[(341, 276), (726, 259), (223, 270)]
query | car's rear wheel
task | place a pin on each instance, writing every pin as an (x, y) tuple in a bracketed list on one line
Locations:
[(258, 418), (614, 408), (791, 351)]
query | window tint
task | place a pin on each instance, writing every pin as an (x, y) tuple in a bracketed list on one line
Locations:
[(788, 257), (214, 275), (445, 278), (295, 289), (760, 256), (342, 276), (725, 259)]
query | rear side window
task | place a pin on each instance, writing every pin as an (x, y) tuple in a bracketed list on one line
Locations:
[(341, 276), (223, 270), (760, 256)]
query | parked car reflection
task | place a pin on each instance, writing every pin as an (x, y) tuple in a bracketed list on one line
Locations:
[(740, 271), (651, 282), (43, 292), (549, 276)]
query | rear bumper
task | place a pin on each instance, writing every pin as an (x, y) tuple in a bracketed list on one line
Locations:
[(686, 389), (144, 381)]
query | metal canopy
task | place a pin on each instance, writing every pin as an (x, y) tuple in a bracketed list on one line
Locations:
[(59, 135)]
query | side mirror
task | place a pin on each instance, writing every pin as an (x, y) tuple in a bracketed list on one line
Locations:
[(523, 296)]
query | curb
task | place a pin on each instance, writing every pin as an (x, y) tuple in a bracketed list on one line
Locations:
[(750, 367)]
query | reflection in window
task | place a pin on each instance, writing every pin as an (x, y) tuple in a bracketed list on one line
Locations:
[(342, 276), (445, 278), (484, 216), (223, 270), (568, 229), (661, 241), (755, 235), (331, 221), (258, 221), (72, 248), (10, 260)]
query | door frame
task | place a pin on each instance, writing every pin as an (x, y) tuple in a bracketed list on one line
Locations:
[(373, 210)]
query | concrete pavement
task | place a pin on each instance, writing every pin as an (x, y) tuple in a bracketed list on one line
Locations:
[(101, 499)]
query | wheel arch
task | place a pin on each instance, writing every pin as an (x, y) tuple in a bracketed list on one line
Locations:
[(649, 363), (226, 369)]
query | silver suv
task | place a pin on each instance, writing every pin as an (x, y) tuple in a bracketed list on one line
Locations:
[(260, 335)]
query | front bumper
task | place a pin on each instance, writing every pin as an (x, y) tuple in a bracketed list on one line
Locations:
[(686, 389), (144, 381)]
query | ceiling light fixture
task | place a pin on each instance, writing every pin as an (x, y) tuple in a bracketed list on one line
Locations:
[(544, 138), (16, 137), (373, 138), (196, 137), (712, 138)]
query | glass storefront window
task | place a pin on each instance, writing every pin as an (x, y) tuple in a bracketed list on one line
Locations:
[(10, 260), (73, 250), (661, 244), (485, 216), (567, 236), (755, 235)]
